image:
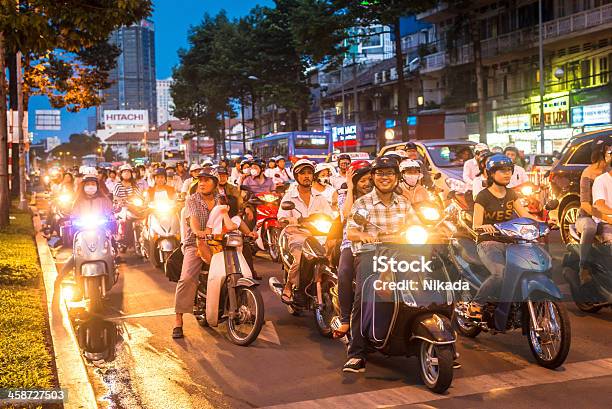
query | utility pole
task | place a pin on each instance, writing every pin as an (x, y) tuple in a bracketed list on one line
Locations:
[(4, 190), (243, 126), (541, 49), (355, 100), (401, 91), (482, 102), (343, 106), (23, 204)]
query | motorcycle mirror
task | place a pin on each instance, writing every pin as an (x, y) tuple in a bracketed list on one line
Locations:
[(552, 205), (437, 176), (287, 205), (361, 217)]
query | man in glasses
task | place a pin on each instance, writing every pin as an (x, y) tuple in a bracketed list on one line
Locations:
[(344, 161), (387, 210)]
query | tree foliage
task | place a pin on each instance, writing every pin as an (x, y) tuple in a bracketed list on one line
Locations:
[(78, 145)]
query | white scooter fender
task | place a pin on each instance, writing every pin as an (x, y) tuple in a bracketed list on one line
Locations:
[(216, 279)]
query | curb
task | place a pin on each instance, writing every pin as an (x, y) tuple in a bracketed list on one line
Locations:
[(71, 370)]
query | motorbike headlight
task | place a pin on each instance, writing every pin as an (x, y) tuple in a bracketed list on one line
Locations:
[(233, 240), (456, 185), (46, 179), (324, 226), (163, 207), (137, 202), (430, 213), (268, 198), (90, 221), (68, 292), (65, 198), (527, 190), (416, 235)]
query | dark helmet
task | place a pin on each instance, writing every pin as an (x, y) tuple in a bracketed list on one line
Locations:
[(385, 162), (259, 163), (410, 145), (345, 156), (359, 168), (511, 149), (498, 161), (209, 173), (160, 172)]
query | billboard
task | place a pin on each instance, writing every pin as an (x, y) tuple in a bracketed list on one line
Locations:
[(598, 114), (48, 120), (128, 118)]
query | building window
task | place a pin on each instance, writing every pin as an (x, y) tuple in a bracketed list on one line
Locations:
[(604, 70), (586, 73)]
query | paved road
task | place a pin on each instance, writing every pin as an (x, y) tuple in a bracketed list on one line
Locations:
[(292, 365)]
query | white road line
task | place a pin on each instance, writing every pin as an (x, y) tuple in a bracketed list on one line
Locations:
[(268, 333), (406, 395)]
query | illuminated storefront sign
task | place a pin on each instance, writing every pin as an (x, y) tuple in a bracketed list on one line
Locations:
[(344, 133), (517, 122), (556, 108), (598, 114)]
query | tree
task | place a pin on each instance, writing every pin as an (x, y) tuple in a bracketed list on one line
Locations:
[(78, 145), (40, 28), (388, 13), (109, 154)]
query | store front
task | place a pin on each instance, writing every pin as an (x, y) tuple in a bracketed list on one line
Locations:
[(351, 138)]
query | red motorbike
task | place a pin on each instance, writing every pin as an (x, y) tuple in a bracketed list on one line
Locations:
[(267, 226)]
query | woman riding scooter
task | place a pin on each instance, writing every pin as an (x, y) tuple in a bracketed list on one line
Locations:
[(322, 183), (359, 182), (90, 200), (494, 204), (411, 186)]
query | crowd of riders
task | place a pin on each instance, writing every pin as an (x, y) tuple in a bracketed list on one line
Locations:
[(388, 187)]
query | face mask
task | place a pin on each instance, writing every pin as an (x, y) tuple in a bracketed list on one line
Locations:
[(90, 190), (324, 180), (246, 171), (170, 174), (411, 180), (254, 172)]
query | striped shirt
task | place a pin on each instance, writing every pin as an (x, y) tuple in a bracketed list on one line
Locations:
[(196, 207), (123, 192), (388, 218)]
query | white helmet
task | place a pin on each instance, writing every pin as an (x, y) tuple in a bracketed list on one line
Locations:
[(409, 164), (480, 147), (207, 162), (322, 166), (127, 166), (87, 169), (300, 164)]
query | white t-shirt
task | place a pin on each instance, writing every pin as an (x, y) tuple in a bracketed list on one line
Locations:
[(518, 177), (186, 184), (337, 181), (602, 190), (477, 186), (470, 170)]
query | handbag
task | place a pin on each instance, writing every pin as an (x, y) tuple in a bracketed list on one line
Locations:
[(173, 266)]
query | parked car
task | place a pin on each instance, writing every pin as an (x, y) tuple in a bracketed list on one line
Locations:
[(441, 156), (537, 162), (564, 178)]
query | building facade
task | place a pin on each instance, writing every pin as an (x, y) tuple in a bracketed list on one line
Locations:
[(165, 105), (134, 84)]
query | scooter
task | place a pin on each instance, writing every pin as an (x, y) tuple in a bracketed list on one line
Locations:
[(130, 226), (162, 233), (410, 319), (596, 294), (61, 205), (94, 258), (529, 299), (317, 276), (228, 293), (267, 226)]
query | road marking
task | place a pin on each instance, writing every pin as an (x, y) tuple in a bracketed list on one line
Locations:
[(157, 313), (268, 333), (407, 395)]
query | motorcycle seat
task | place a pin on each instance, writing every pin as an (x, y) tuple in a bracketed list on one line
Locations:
[(468, 252)]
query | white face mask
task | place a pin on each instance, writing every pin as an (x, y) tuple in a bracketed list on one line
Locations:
[(90, 190), (324, 180), (246, 171), (411, 180), (254, 172)]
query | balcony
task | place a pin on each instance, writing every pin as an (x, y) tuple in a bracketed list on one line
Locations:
[(435, 14), (578, 22), (434, 62)]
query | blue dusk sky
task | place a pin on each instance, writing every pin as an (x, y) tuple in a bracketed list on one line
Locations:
[(172, 20)]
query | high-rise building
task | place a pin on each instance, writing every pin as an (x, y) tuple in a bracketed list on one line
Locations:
[(133, 79), (164, 101)]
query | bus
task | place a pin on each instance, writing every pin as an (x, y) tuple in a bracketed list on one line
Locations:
[(294, 145)]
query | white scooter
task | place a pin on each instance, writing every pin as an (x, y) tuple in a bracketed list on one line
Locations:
[(94, 259), (162, 234), (227, 291)]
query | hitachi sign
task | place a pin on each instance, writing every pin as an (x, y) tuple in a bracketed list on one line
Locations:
[(126, 118)]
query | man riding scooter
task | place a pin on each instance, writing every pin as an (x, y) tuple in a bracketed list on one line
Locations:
[(307, 202)]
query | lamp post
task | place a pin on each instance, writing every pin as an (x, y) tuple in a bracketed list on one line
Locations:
[(541, 52)]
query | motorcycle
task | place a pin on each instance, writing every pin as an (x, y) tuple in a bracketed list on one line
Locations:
[(317, 276), (130, 226), (529, 299), (94, 259), (267, 226), (162, 233), (61, 206), (596, 294), (410, 320), (228, 293)]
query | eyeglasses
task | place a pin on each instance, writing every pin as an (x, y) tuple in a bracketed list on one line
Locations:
[(384, 174)]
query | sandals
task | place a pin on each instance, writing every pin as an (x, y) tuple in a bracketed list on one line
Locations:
[(287, 298), (177, 332), (341, 331)]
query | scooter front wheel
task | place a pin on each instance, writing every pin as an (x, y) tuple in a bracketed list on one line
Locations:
[(436, 366), (550, 345), (248, 319), (272, 239)]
